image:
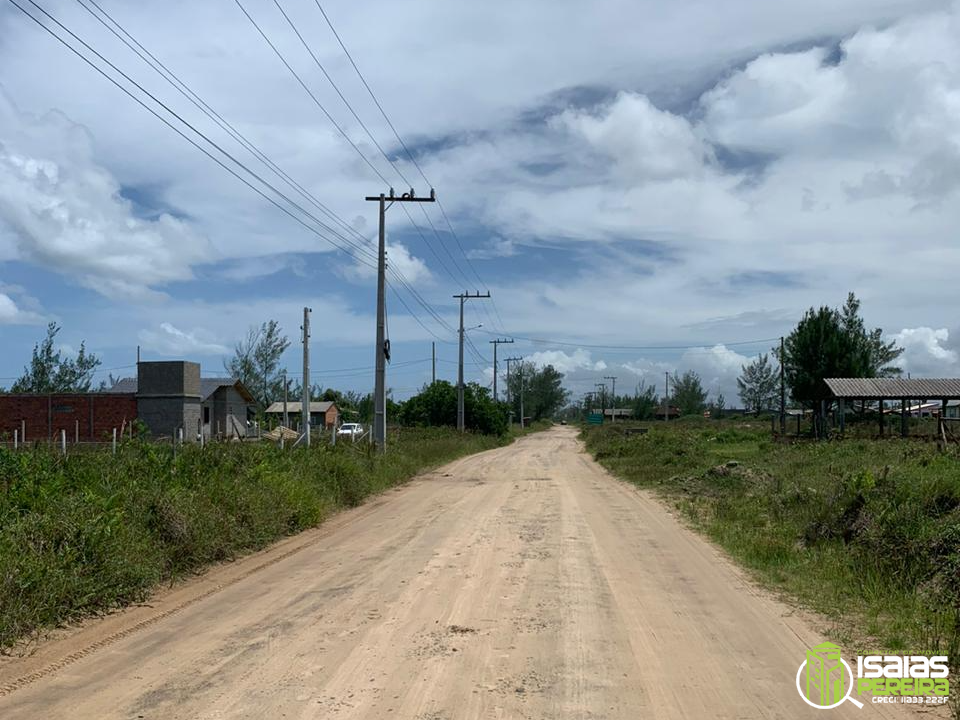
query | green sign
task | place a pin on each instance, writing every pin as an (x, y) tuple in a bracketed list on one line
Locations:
[(595, 419)]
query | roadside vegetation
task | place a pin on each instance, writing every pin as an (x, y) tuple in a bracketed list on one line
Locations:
[(865, 532), (89, 532)]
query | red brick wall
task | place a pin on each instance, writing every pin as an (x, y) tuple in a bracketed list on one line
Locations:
[(46, 415)]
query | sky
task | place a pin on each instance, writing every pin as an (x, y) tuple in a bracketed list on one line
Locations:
[(644, 187)]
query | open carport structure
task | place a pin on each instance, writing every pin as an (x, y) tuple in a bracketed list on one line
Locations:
[(883, 390)]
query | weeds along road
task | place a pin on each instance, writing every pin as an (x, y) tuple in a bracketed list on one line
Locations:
[(523, 582)]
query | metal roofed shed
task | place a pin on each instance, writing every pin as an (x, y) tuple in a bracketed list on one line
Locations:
[(883, 389), (323, 413), (894, 388)]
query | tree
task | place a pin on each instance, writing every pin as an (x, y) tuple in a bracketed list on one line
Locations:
[(256, 361), (51, 372), (646, 402), (436, 405), (833, 343), (757, 384), (688, 393), (543, 391)]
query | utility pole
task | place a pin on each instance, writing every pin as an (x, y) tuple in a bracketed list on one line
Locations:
[(461, 417), (286, 386), (509, 398), (305, 391), (379, 433), (495, 343), (666, 396), (783, 395), (433, 355), (603, 398), (521, 393), (613, 392)]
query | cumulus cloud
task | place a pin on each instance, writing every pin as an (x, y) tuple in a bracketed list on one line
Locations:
[(565, 362), (399, 258), (174, 342), (497, 248), (66, 212), (925, 352)]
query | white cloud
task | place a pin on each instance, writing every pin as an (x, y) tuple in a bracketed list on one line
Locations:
[(66, 213), (171, 341), (565, 362), (498, 247), (925, 353), (644, 142), (399, 258)]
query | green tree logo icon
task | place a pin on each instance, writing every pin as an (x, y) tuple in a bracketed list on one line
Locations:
[(825, 677)]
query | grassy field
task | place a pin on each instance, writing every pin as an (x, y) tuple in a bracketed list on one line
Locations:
[(90, 532), (864, 532)]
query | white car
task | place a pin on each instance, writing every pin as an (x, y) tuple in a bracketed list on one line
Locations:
[(350, 430)]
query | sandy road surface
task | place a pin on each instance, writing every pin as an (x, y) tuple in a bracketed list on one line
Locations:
[(520, 583)]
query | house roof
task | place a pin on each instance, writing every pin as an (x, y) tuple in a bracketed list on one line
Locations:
[(294, 407), (894, 388), (208, 386)]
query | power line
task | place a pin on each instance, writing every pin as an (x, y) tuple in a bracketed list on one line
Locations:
[(177, 130), (407, 151), (546, 341), (310, 93), (197, 101)]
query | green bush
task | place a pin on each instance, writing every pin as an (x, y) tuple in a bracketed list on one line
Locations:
[(91, 532), (866, 530)]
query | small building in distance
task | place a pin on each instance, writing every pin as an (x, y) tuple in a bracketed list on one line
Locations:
[(672, 413), (323, 414), (172, 394)]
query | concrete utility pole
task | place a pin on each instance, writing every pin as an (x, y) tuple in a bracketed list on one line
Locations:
[(379, 433), (603, 398), (433, 355), (613, 392), (305, 391), (783, 395), (461, 416), (666, 397), (495, 343), (509, 397), (286, 388), (521, 392)]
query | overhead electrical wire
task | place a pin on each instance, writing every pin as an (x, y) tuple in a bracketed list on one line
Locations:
[(198, 102), (410, 156)]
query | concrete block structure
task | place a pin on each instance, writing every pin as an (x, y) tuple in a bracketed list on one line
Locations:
[(87, 417), (168, 397)]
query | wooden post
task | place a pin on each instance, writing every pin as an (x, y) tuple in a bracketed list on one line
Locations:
[(903, 418), (842, 404), (882, 417), (822, 432), (799, 418), (76, 432)]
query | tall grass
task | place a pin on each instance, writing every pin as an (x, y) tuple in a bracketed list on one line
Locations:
[(866, 532), (89, 532)]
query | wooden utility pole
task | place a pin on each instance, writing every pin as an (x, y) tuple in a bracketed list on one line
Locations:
[(305, 390), (379, 433), (613, 392), (461, 415), (286, 386), (495, 343)]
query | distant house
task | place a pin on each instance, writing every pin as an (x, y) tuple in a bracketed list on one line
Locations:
[(615, 413), (323, 414), (226, 406), (672, 412)]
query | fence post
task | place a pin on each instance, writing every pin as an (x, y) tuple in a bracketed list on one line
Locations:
[(63, 441), (23, 431), (114, 443), (76, 431), (333, 434), (15, 436)]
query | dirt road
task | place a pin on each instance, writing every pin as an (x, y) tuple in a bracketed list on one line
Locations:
[(520, 583)]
